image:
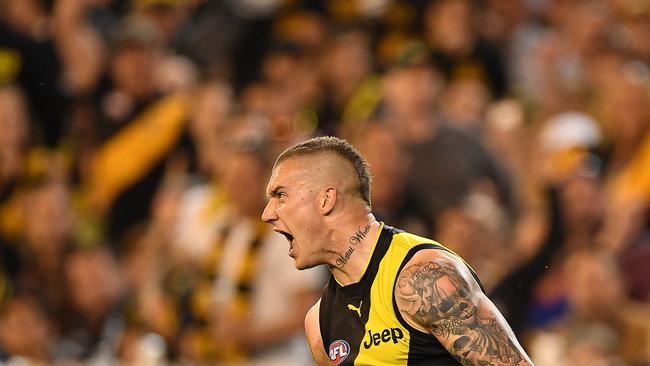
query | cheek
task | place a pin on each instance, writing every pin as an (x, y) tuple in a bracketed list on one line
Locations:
[(299, 216), (290, 214)]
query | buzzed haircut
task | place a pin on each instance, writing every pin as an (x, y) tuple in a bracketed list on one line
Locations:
[(341, 148)]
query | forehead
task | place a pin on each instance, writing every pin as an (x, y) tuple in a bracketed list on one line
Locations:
[(290, 172)]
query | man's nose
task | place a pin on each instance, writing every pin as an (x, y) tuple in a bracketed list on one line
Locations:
[(269, 215)]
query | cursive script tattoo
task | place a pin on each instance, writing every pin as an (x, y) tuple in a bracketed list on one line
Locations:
[(359, 235), (436, 296), (343, 259), (354, 240)]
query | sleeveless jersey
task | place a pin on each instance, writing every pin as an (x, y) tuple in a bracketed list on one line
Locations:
[(360, 323)]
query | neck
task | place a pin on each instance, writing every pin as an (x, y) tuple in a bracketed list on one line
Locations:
[(355, 243)]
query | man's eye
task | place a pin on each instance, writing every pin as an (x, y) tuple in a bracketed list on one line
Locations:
[(281, 194)]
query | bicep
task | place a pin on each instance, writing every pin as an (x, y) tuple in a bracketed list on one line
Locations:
[(312, 331), (437, 294)]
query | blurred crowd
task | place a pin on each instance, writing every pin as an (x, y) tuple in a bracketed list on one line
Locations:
[(136, 140)]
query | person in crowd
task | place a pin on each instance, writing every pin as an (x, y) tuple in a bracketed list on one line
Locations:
[(447, 163)]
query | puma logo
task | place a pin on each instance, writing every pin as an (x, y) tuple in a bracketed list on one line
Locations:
[(356, 309)]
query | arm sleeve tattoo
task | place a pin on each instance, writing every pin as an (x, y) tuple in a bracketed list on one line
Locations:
[(448, 303)]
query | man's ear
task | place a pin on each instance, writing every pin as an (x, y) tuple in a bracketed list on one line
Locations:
[(327, 201)]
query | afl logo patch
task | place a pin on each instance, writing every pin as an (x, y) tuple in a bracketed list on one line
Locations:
[(339, 351)]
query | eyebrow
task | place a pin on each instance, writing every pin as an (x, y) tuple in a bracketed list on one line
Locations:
[(275, 190)]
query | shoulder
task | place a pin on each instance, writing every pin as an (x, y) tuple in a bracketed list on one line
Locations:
[(432, 278), (436, 259), (419, 251), (411, 242), (437, 264)]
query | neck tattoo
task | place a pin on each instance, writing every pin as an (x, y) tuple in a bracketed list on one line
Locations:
[(354, 240)]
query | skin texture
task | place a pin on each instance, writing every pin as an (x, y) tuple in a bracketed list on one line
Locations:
[(436, 294), (295, 206), (315, 200), (312, 329)]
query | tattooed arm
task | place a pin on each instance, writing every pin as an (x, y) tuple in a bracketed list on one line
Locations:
[(437, 294)]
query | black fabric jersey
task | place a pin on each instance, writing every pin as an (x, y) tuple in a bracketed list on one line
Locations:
[(360, 323)]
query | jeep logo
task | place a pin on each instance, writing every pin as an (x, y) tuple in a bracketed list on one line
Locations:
[(374, 339)]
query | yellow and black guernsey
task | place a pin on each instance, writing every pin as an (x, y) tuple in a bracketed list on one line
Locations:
[(360, 323)]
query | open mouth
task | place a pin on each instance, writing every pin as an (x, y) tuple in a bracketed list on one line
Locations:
[(289, 239), (286, 235)]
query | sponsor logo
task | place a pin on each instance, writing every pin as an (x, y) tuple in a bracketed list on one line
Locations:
[(356, 309), (339, 351), (386, 335)]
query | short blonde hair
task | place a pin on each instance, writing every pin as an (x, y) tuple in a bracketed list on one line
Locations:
[(341, 148)]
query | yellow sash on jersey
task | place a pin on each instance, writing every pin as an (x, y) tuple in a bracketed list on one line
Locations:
[(134, 150), (363, 102), (202, 303), (633, 183), (11, 62)]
